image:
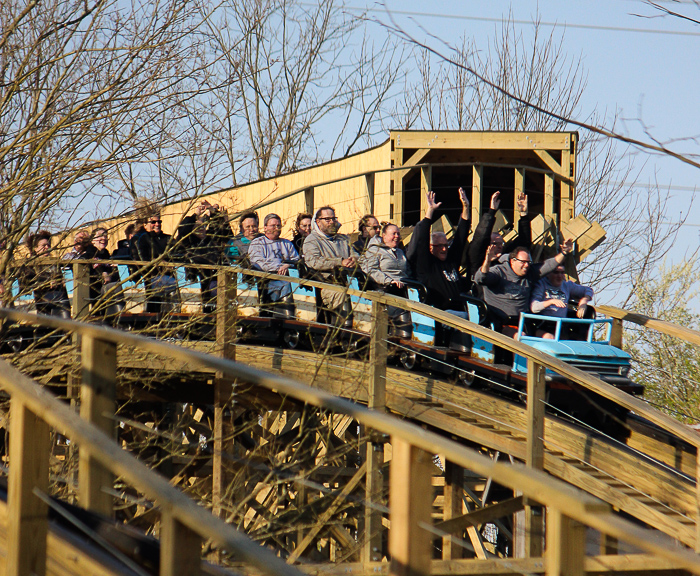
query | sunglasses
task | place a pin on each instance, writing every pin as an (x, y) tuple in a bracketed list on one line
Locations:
[(155, 221)]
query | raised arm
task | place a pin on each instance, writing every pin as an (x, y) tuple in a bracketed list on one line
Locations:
[(482, 234)]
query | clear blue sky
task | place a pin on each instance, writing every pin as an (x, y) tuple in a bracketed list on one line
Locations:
[(640, 65)]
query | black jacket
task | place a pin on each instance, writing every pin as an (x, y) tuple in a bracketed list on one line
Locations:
[(482, 239), (441, 278)]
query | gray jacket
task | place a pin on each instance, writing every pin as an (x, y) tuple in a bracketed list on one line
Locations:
[(507, 292), (384, 265), (324, 253)]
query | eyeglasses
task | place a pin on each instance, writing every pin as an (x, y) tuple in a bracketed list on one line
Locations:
[(155, 221), (328, 219), (523, 261)]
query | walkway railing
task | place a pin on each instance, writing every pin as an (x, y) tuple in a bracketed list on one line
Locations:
[(185, 524)]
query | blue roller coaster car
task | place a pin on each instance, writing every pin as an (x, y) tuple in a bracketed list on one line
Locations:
[(584, 344)]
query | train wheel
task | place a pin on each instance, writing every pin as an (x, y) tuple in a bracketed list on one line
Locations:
[(407, 359), (464, 378), (291, 338)]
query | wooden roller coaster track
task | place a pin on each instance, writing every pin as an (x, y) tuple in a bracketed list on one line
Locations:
[(641, 492)]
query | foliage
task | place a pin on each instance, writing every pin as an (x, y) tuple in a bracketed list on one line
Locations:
[(668, 367)]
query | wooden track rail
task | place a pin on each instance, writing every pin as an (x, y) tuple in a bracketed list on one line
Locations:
[(185, 524)]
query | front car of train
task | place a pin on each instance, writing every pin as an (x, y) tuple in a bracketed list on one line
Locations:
[(584, 344)]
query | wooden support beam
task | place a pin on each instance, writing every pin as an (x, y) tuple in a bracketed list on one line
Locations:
[(567, 190), (608, 545), (369, 189), (549, 162), (535, 415), (566, 543), (482, 515), (372, 549), (426, 185), (411, 499), (309, 201), (549, 211), (27, 522), (97, 405), (81, 290), (518, 188), (481, 140), (396, 214), (378, 357), (416, 158), (452, 508), (226, 311), (180, 548), (477, 193), (324, 518), (374, 447), (616, 334)]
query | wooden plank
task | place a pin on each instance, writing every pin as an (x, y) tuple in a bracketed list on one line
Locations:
[(309, 202), (518, 188), (637, 564), (549, 198), (477, 193), (535, 415), (576, 228), (616, 334), (396, 215), (590, 240), (452, 508), (566, 543), (482, 140), (27, 524), (410, 503), (567, 190), (376, 400), (97, 406), (374, 488), (549, 162), (533, 517), (81, 290), (416, 158), (378, 357), (180, 548), (426, 185), (481, 515), (226, 313), (369, 189)]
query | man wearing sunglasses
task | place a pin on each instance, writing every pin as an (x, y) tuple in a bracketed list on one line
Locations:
[(327, 253), (508, 285)]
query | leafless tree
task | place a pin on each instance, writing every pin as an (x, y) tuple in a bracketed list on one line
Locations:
[(84, 86), (287, 71)]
